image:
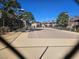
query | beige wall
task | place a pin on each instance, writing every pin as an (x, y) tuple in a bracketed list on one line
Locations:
[(34, 25)]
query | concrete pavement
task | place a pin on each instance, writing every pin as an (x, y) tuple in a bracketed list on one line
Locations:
[(33, 44), (46, 37), (53, 34), (10, 37)]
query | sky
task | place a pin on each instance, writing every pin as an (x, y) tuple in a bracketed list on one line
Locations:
[(47, 10)]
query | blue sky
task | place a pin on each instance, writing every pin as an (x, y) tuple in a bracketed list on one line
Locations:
[(45, 10)]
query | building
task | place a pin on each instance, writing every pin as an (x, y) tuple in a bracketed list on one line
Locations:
[(74, 22), (43, 24), (48, 24), (36, 24)]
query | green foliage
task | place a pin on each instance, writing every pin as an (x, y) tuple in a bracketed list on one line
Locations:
[(9, 16), (27, 16), (77, 30), (62, 19), (77, 1), (9, 13)]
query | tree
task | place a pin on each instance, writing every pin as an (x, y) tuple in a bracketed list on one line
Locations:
[(77, 1), (62, 19), (0, 18), (8, 12), (28, 18), (9, 6)]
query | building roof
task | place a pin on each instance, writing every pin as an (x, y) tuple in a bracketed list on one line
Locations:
[(75, 19)]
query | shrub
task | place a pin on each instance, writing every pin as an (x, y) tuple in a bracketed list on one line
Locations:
[(4, 29), (77, 30)]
